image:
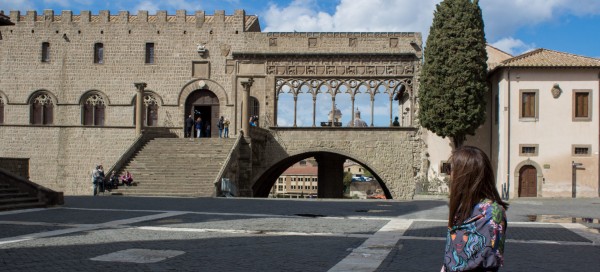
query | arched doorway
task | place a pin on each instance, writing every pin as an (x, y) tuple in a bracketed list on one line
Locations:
[(203, 104), (528, 181)]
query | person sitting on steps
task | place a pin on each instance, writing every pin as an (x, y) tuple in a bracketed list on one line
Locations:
[(113, 182), (127, 178)]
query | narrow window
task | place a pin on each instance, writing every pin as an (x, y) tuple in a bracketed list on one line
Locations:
[(445, 168), (45, 52), (497, 105), (1, 110), (254, 106), (528, 109), (581, 105), (99, 53), (149, 53)]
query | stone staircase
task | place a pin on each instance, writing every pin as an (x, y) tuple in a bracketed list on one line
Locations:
[(176, 167), (12, 198)]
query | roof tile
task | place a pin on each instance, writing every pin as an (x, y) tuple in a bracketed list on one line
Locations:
[(550, 58)]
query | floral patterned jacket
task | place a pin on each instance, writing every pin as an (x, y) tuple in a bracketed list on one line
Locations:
[(478, 243)]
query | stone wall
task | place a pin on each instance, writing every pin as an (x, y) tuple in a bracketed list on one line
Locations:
[(63, 153), (16, 166), (62, 158), (388, 153)]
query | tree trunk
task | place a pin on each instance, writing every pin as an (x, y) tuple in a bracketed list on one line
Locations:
[(458, 141)]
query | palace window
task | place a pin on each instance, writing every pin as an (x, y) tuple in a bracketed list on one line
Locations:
[(149, 111), (445, 168), (92, 110), (581, 105), (42, 109), (150, 53), (529, 104), (528, 150), (254, 106), (581, 150), (45, 52), (99, 53)]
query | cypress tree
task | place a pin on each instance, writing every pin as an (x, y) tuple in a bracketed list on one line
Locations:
[(453, 82)]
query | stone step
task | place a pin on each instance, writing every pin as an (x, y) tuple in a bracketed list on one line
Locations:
[(14, 200), (8, 190), (19, 206), (15, 194), (176, 167)]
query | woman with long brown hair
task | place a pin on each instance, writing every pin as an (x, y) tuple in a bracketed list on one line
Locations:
[(477, 214)]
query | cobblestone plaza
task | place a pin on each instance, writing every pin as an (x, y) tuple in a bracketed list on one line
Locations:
[(207, 234)]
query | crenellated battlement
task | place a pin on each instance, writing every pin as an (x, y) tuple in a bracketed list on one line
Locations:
[(199, 18)]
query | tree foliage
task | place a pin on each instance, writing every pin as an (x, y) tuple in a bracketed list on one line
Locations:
[(453, 82)]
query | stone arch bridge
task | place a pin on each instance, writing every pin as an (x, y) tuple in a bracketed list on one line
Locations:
[(391, 154)]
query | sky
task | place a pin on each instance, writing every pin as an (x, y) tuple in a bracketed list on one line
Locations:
[(514, 26)]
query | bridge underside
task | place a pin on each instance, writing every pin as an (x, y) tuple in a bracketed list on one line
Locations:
[(390, 154), (330, 175)]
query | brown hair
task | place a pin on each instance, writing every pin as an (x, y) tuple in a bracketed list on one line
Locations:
[(471, 180)]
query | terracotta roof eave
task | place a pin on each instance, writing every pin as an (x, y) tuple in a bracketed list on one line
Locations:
[(549, 66), (501, 67)]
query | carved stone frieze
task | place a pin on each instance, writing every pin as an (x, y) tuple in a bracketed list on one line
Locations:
[(348, 69)]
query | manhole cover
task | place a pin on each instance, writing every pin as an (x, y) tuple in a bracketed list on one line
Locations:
[(138, 255)]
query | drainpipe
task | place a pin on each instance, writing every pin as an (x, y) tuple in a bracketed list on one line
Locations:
[(506, 187), (599, 134)]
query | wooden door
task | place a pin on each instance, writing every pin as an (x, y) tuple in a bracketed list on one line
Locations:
[(528, 181)]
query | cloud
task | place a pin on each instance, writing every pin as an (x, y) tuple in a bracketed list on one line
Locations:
[(22, 5), (504, 18), (149, 6), (152, 6), (513, 46), (351, 16)]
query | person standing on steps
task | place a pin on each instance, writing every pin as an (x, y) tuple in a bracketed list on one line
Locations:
[(95, 175), (198, 127), (189, 124), (98, 179), (220, 127), (226, 128)]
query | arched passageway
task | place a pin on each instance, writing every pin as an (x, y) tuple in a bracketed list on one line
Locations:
[(330, 174), (203, 104)]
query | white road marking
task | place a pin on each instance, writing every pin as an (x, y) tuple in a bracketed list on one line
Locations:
[(255, 232), (369, 255)]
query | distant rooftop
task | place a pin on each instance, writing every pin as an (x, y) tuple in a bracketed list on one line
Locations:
[(550, 58)]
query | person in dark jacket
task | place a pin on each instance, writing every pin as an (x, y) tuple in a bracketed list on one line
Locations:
[(189, 124)]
